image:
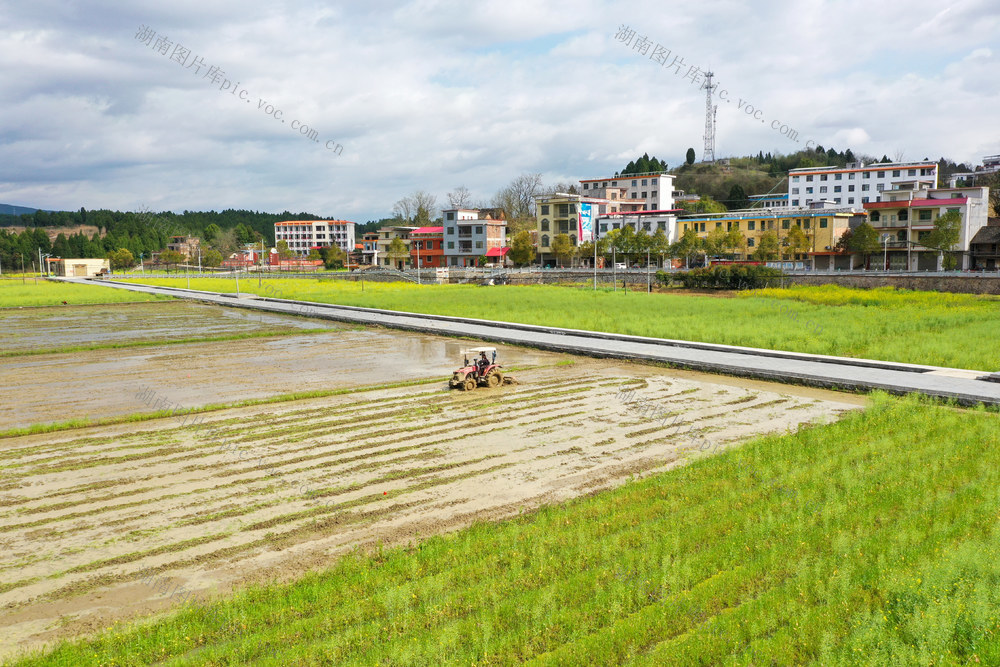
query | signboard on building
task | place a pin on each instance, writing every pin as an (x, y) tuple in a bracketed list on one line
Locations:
[(586, 222)]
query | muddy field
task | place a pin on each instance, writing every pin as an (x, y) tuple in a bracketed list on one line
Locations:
[(104, 523)]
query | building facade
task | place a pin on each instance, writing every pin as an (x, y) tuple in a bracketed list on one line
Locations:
[(383, 247), (822, 228), (427, 247), (906, 215), (185, 245), (857, 183), (469, 234), (304, 235), (640, 221), (638, 192), (572, 215)]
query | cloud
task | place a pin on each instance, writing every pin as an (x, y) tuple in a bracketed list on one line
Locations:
[(432, 94)]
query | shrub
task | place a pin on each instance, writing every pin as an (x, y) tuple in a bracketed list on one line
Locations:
[(732, 277)]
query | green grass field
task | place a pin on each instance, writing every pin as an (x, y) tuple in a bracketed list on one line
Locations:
[(932, 328), (869, 541), (15, 294)]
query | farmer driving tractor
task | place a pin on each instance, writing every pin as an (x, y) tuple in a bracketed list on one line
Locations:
[(482, 371)]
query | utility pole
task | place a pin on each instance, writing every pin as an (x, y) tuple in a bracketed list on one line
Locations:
[(593, 238), (199, 258), (614, 266), (648, 290)]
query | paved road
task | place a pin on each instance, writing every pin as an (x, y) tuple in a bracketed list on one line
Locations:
[(815, 370)]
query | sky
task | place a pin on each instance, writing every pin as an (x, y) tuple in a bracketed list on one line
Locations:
[(200, 105)]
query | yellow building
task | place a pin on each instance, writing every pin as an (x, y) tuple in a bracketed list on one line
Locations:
[(822, 228), (561, 214)]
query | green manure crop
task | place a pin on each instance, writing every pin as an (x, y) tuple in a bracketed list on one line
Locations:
[(872, 540), (937, 329), (14, 294)]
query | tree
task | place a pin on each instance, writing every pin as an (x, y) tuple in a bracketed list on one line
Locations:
[(944, 236), (314, 255), (687, 245), (517, 200), (398, 252), (121, 259), (704, 205), (690, 157), (659, 244), (737, 197), (714, 243), (284, 252), (333, 257), (212, 232), (797, 241), (171, 257), (562, 248), (864, 239), (522, 250), (419, 208), (767, 247), (460, 198), (735, 241), (211, 258)]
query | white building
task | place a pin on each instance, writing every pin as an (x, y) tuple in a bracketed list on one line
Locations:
[(775, 200), (857, 183), (906, 215), (647, 221), (467, 237), (304, 235), (636, 192)]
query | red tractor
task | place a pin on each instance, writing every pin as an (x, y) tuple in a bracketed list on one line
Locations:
[(482, 371)]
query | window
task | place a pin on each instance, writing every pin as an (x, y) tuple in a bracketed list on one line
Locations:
[(795, 202), (850, 200), (864, 200), (874, 216), (545, 224), (786, 224), (644, 195), (864, 187), (822, 177), (718, 225), (644, 181), (836, 188), (545, 209), (586, 186), (795, 191), (633, 182), (809, 179), (867, 174), (479, 244), (479, 230), (604, 227), (911, 172), (895, 173), (925, 216), (809, 191), (653, 194), (881, 174), (836, 200), (545, 240), (750, 241), (751, 225), (838, 177), (572, 239), (451, 215), (451, 245), (653, 182), (633, 195), (850, 188), (822, 189), (702, 227), (822, 223), (614, 195), (850, 177), (880, 187), (805, 224)]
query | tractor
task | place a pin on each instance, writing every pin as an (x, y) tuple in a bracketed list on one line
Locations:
[(482, 371)]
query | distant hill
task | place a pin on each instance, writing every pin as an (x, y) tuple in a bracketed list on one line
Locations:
[(11, 209)]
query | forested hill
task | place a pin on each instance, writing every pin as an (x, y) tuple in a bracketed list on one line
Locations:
[(142, 232)]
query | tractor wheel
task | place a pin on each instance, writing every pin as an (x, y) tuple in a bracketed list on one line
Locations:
[(494, 379), (470, 384)]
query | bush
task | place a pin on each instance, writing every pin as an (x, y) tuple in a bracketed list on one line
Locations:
[(732, 277)]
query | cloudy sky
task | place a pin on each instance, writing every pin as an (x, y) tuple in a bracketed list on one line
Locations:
[(434, 94)]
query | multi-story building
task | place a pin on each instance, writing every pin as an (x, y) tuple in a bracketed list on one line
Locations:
[(185, 245), (821, 225), (467, 236), (635, 192), (774, 200), (304, 235), (427, 247), (640, 221), (369, 248), (383, 249), (906, 215), (984, 249), (572, 215), (857, 183)]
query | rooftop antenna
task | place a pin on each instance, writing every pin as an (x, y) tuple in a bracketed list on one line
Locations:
[(710, 111)]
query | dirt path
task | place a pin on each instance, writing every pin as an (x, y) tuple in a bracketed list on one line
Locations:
[(99, 524)]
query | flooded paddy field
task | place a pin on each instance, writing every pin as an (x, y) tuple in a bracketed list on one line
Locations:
[(27, 329), (103, 523)]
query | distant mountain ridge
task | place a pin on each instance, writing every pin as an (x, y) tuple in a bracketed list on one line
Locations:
[(11, 209)]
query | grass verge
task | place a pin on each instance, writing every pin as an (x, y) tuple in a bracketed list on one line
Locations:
[(15, 294)]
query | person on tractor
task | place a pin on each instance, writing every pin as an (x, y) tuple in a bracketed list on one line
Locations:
[(483, 362)]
